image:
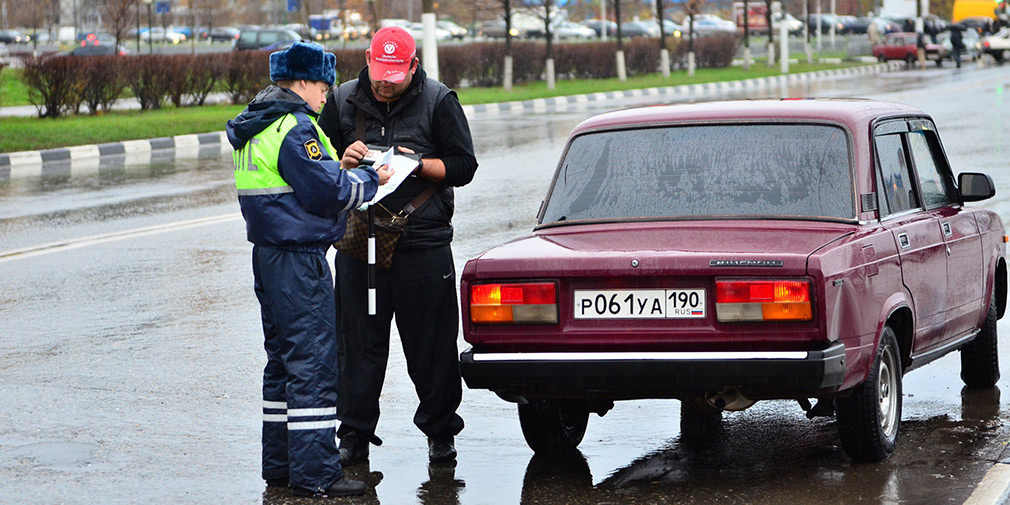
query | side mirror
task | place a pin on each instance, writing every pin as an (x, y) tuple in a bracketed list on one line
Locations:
[(974, 186)]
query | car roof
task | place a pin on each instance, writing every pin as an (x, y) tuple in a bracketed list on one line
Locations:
[(849, 111)]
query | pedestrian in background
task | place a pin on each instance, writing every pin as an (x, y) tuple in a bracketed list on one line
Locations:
[(293, 196), (873, 33), (956, 43), (920, 49), (394, 103)]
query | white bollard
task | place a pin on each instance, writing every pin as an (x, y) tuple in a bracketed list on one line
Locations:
[(430, 45), (550, 72), (507, 78), (784, 45)]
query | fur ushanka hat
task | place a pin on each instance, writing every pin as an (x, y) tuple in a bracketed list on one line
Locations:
[(303, 60)]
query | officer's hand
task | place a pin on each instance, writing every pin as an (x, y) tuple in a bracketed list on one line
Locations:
[(353, 154), (385, 172)]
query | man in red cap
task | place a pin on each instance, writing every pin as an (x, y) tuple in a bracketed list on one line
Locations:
[(394, 103)]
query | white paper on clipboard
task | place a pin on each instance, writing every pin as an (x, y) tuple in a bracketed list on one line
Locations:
[(402, 167)]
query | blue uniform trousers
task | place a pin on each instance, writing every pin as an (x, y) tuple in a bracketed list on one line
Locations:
[(295, 291)]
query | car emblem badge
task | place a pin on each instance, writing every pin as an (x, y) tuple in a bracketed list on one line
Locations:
[(745, 263)]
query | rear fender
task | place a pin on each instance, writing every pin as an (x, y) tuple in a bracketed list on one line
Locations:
[(859, 356)]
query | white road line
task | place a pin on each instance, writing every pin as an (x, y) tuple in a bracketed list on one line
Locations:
[(63, 245), (993, 488)]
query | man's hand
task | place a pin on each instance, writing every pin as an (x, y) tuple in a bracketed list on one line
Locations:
[(353, 154), (385, 172)]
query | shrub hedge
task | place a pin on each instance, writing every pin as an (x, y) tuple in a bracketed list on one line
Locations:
[(61, 84)]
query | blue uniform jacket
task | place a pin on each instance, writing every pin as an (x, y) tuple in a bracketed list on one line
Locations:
[(314, 213)]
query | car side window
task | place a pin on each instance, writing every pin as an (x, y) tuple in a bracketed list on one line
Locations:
[(937, 188), (267, 38), (894, 170)]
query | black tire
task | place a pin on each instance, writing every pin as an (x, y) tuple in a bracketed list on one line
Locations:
[(939, 62), (980, 357), (553, 427), (869, 419), (910, 60), (881, 58), (699, 425)]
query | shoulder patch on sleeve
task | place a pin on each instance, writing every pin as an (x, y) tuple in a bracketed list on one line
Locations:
[(313, 150)]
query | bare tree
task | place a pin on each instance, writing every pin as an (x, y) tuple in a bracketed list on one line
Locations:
[(507, 71), (117, 13), (545, 13), (664, 53), (691, 8)]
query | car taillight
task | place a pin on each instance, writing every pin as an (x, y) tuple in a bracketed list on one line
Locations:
[(763, 300), (535, 302)]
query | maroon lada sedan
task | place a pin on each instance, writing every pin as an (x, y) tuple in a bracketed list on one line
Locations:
[(725, 253)]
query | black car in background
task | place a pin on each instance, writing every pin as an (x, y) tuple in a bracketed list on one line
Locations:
[(268, 39), (14, 37)]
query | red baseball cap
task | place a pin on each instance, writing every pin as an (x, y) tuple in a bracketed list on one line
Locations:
[(392, 52)]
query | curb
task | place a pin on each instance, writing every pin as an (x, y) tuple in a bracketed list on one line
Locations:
[(117, 154)]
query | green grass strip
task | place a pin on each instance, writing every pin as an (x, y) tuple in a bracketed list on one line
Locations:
[(32, 133), (29, 134)]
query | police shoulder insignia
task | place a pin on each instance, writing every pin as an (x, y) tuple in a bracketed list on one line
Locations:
[(313, 150)]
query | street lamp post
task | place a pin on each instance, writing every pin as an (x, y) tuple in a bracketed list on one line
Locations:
[(150, 36)]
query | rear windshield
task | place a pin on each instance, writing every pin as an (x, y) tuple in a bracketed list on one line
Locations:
[(794, 170)]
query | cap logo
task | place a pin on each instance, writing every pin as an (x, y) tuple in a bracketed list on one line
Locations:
[(389, 47)]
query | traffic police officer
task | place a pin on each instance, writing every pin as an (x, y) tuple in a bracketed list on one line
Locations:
[(294, 197)]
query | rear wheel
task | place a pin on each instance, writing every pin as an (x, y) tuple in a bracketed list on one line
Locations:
[(910, 60), (868, 421), (980, 358), (881, 58), (553, 427)]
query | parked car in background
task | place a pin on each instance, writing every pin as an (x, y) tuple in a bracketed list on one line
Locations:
[(496, 29), (270, 39), (223, 34), (709, 24), (158, 34), (996, 45), (458, 32), (971, 43), (14, 37), (416, 30), (903, 46), (599, 26), (853, 24), (5, 56), (99, 50), (640, 29), (568, 30), (747, 251), (826, 21)]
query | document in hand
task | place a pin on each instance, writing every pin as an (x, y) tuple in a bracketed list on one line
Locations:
[(402, 167)]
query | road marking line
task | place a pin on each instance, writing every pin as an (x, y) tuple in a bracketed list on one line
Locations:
[(993, 488), (63, 245)]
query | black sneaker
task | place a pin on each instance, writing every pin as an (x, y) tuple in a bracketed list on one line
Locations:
[(353, 450), (441, 450), (277, 482), (342, 487)]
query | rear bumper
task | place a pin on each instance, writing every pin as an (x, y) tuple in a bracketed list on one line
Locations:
[(655, 374)]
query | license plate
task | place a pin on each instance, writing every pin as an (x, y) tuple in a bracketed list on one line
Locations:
[(640, 304)]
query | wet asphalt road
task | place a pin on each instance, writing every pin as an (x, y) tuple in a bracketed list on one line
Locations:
[(131, 351)]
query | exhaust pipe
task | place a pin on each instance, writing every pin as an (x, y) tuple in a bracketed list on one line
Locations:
[(730, 398)]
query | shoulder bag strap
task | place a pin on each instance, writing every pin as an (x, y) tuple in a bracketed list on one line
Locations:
[(420, 199)]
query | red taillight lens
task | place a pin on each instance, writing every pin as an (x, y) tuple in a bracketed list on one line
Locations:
[(763, 300), (534, 302)]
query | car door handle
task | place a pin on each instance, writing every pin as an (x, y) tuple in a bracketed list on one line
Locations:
[(948, 250)]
